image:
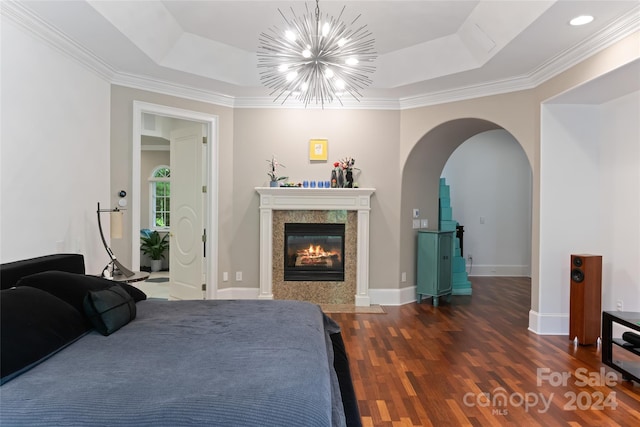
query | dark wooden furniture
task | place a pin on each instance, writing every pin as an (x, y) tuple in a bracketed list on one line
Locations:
[(629, 369), (585, 298)]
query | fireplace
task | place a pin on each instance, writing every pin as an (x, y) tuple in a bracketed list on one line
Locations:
[(314, 252), (279, 206)]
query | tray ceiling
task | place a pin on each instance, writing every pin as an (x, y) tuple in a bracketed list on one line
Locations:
[(428, 51)]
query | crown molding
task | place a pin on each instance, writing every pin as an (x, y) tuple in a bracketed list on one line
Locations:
[(621, 28), (613, 33), (34, 25), (365, 103), (467, 92), (172, 89)]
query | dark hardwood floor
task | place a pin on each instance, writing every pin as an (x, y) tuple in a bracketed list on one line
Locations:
[(474, 362)]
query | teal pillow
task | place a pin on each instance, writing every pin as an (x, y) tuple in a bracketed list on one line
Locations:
[(109, 309)]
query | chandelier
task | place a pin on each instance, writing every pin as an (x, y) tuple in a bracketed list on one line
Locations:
[(316, 59)]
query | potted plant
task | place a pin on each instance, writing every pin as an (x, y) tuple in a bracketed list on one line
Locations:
[(153, 245), (275, 179)]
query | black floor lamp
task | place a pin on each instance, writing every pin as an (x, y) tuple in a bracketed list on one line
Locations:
[(114, 267)]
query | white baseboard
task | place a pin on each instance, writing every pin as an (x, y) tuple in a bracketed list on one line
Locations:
[(238, 293), (548, 323), (393, 296), (499, 270), (363, 301)]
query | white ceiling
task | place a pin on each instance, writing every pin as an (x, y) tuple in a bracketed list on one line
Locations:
[(428, 51)]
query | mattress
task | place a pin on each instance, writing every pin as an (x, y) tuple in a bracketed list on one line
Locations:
[(228, 363)]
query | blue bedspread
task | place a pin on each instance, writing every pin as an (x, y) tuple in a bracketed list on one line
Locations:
[(226, 363)]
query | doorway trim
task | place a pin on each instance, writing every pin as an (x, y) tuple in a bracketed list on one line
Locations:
[(211, 215)]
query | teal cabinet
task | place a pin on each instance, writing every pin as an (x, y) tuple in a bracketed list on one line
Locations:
[(434, 264)]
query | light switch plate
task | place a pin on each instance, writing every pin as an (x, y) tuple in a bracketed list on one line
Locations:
[(416, 223), (424, 223)]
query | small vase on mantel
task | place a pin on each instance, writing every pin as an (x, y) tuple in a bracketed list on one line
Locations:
[(349, 179), (273, 183), (340, 179)]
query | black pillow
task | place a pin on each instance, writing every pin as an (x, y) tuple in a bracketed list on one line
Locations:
[(109, 309), (135, 293), (33, 325), (72, 287)]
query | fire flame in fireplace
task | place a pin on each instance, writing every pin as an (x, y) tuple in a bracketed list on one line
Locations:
[(315, 251), (316, 255)]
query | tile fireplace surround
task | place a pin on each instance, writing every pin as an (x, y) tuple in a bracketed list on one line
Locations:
[(315, 199)]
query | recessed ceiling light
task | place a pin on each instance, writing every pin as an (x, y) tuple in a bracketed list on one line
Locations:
[(581, 20)]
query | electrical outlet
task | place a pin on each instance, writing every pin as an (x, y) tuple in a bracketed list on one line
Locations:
[(225, 276), (416, 223), (424, 223), (619, 305), (403, 276), (238, 276)]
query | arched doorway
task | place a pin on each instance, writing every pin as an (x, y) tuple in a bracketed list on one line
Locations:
[(491, 195), (421, 176)]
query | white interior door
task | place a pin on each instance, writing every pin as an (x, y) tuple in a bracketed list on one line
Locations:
[(187, 216)]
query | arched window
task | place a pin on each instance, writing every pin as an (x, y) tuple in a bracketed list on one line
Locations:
[(160, 200)]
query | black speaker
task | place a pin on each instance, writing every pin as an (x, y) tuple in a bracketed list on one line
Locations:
[(585, 302)]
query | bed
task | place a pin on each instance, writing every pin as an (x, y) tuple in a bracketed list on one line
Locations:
[(66, 361)]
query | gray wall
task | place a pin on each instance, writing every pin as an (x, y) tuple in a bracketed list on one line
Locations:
[(121, 154), (371, 137), (490, 184)]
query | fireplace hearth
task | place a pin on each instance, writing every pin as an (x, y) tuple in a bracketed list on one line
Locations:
[(314, 252)]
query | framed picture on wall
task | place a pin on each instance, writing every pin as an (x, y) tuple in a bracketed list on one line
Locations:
[(318, 149)]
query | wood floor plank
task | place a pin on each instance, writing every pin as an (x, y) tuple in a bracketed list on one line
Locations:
[(474, 362)]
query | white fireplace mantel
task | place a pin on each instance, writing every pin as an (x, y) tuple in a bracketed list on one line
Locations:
[(296, 198)]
